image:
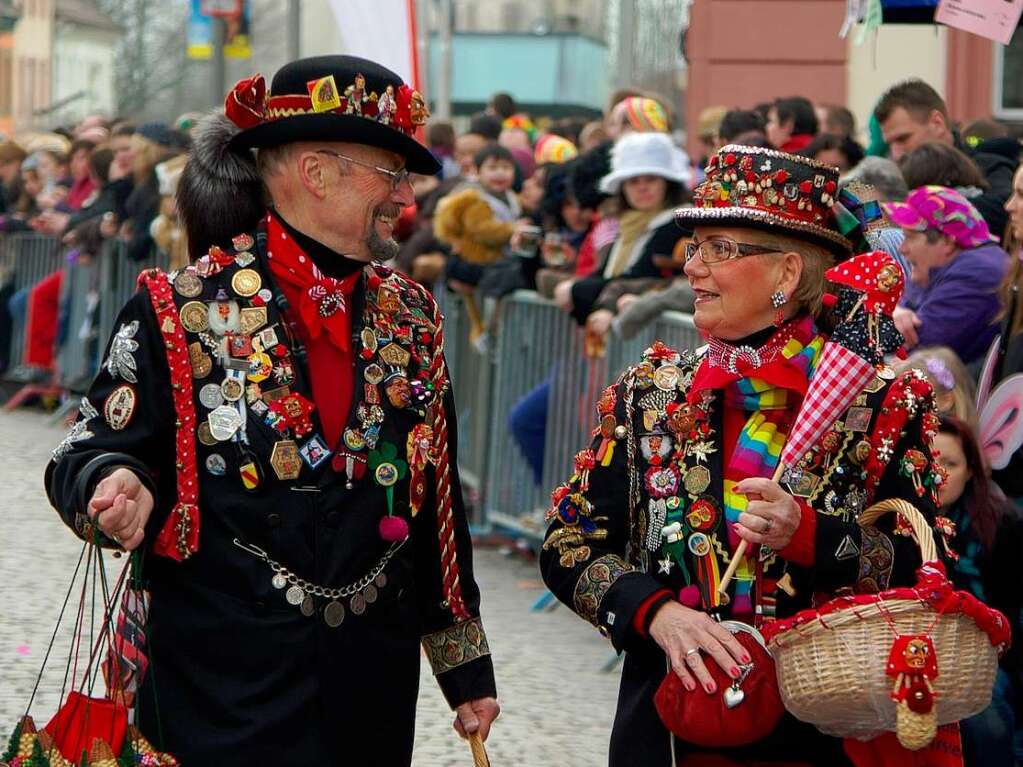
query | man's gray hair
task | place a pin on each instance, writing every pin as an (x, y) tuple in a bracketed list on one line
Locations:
[(880, 173)]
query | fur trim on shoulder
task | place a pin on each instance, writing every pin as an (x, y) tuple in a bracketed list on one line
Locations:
[(220, 193)]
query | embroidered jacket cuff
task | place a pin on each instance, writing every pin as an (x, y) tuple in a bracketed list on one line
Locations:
[(609, 593), (460, 658), (801, 548)]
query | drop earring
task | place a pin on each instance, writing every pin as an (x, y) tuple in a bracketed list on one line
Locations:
[(778, 300)]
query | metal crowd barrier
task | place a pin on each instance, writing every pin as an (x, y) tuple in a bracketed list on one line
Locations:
[(118, 275), (76, 355), (535, 345), (25, 259)]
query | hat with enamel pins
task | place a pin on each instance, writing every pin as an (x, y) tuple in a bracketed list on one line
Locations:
[(332, 98), (767, 189)]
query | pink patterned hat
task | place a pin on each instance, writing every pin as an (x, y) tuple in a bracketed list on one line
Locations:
[(944, 210)]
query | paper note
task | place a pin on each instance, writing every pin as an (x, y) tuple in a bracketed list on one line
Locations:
[(993, 19)]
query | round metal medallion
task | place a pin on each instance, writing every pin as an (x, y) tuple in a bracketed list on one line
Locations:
[(308, 606), (216, 465), (203, 432), (354, 440), (266, 295), (195, 317), (333, 614), (374, 374), (699, 544), (380, 580), (666, 377), (232, 389), (294, 595), (370, 593), (246, 282), (386, 474), (211, 396), (188, 284), (358, 604), (278, 581), (369, 339)]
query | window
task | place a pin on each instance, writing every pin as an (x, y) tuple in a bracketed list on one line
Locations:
[(1008, 90), (6, 81)]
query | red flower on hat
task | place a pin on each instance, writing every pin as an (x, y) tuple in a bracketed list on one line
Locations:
[(245, 105)]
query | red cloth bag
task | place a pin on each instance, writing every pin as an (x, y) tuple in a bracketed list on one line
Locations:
[(704, 719), (83, 719)]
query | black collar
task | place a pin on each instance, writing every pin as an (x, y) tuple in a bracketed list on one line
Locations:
[(329, 261)]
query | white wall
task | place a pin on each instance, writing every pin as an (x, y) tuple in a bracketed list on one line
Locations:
[(899, 51), (83, 61)]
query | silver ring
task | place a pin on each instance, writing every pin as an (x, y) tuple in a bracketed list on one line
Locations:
[(116, 537), (767, 527), (690, 653)]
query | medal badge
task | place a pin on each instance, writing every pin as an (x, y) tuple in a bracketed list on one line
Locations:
[(242, 241), (251, 319), (246, 282), (249, 471), (199, 360), (188, 284), (239, 345), (285, 460), (216, 465), (244, 258), (194, 317), (211, 396), (260, 367), (395, 356), (314, 452), (119, 407), (224, 421)]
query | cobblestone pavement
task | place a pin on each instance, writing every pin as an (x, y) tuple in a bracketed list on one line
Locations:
[(557, 703)]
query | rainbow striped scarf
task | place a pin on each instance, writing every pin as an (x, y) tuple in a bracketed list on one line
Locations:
[(772, 408)]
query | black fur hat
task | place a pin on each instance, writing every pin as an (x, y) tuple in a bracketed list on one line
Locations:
[(220, 193)]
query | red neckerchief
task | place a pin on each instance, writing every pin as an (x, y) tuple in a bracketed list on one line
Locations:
[(322, 301), (724, 363)]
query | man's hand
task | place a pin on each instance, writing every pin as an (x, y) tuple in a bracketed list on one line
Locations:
[(599, 322), (476, 716), (906, 321), (121, 506)]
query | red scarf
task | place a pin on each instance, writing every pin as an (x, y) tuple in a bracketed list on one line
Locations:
[(319, 309)]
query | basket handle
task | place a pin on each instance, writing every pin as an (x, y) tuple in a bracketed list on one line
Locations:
[(922, 533)]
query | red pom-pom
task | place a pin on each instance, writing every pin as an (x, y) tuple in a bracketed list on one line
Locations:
[(806, 187), (829, 300), (393, 529), (689, 596)]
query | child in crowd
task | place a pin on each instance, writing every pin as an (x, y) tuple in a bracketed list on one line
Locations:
[(478, 220), (954, 389)]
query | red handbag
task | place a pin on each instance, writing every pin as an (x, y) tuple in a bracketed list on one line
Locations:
[(741, 711), (82, 719)]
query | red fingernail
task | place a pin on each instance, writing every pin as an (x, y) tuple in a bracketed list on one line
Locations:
[(734, 671), (745, 658), (689, 686), (711, 687)]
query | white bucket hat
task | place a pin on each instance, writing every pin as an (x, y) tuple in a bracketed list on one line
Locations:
[(645, 154)]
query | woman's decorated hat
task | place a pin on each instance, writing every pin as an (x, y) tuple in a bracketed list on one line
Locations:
[(332, 98), (768, 189)]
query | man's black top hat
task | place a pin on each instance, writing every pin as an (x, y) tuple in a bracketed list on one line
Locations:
[(332, 98)]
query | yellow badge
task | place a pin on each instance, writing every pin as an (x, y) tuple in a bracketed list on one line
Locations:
[(246, 282), (324, 94)]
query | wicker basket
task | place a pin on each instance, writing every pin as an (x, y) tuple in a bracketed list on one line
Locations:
[(831, 669)]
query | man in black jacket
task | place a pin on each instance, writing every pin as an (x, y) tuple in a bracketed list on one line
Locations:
[(273, 427), (911, 113)]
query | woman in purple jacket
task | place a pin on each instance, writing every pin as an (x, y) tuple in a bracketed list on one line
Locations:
[(955, 270)]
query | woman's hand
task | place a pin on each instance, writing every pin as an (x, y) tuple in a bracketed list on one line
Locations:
[(563, 295), (689, 637), (772, 515), (625, 300), (599, 322)]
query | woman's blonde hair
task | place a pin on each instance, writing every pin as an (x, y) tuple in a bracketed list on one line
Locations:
[(148, 154), (951, 380)]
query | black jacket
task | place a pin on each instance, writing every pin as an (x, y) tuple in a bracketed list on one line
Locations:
[(660, 240), (603, 552), (997, 159), (240, 675)]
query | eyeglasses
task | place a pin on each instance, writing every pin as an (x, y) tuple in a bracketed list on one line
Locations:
[(714, 250), (397, 177)]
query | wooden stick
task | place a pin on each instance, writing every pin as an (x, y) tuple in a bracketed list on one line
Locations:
[(479, 752), (740, 551)]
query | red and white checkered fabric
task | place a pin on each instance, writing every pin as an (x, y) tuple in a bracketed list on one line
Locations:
[(839, 376)]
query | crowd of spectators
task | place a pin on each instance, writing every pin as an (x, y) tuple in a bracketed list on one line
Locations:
[(581, 212), (90, 185)]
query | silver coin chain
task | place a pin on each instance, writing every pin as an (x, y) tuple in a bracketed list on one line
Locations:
[(284, 577)]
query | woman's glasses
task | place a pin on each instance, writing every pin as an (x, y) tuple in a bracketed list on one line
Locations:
[(714, 250)]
